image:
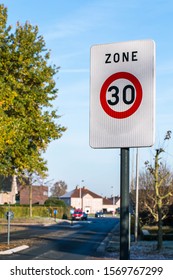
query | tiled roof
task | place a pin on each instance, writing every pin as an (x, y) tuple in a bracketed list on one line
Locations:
[(80, 192), (107, 201), (77, 192), (67, 194), (84, 191)]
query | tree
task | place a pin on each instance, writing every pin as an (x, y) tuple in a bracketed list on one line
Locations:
[(58, 189), (28, 180), (53, 201), (147, 197), (159, 190), (27, 89)]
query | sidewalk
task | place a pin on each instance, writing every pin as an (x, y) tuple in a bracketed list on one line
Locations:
[(111, 244), (141, 250)]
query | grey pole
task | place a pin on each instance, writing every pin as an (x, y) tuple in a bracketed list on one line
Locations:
[(8, 231), (124, 209), (137, 195)]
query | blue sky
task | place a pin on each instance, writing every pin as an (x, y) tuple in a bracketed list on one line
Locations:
[(70, 28)]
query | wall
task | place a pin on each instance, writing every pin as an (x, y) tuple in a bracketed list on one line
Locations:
[(87, 203), (8, 188), (6, 198)]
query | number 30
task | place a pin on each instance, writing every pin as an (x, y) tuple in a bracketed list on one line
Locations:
[(116, 98)]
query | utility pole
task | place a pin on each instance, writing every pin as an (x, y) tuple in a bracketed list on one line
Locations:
[(124, 209), (137, 195)]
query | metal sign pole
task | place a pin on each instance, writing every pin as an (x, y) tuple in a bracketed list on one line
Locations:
[(137, 195), (8, 233), (124, 209)]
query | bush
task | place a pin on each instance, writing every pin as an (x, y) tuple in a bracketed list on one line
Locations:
[(53, 201), (64, 216), (21, 211), (37, 211), (146, 218), (132, 228)]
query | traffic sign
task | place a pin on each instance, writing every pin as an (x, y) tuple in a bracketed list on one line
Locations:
[(136, 86), (9, 215), (122, 98)]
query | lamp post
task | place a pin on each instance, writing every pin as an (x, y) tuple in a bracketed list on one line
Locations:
[(80, 195), (113, 197), (8, 226)]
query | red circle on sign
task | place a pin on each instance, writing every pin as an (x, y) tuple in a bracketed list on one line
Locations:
[(136, 104)]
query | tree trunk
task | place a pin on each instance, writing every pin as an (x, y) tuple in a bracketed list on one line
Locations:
[(159, 201), (160, 228), (30, 201)]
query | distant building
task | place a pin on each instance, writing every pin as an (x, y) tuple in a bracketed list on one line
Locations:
[(111, 204), (12, 192), (39, 194), (88, 201)]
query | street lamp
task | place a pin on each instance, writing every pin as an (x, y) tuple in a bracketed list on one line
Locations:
[(80, 194), (113, 197)]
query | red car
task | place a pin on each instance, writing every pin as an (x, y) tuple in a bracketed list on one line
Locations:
[(79, 215)]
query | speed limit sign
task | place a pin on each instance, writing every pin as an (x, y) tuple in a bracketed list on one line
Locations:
[(122, 98), (126, 97)]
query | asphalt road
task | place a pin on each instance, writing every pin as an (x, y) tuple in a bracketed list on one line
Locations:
[(63, 241)]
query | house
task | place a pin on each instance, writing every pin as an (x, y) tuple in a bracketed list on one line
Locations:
[(12, 192), (8, 189), (111, 204), (87, 200), (84, 199), (39, 194)]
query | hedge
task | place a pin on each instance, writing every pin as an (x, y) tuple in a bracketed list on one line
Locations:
[(21, 211)]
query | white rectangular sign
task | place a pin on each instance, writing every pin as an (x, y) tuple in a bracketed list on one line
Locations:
[(122, 95)]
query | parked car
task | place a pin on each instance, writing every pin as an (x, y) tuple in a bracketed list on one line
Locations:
[(99, 214), (79, 215)]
